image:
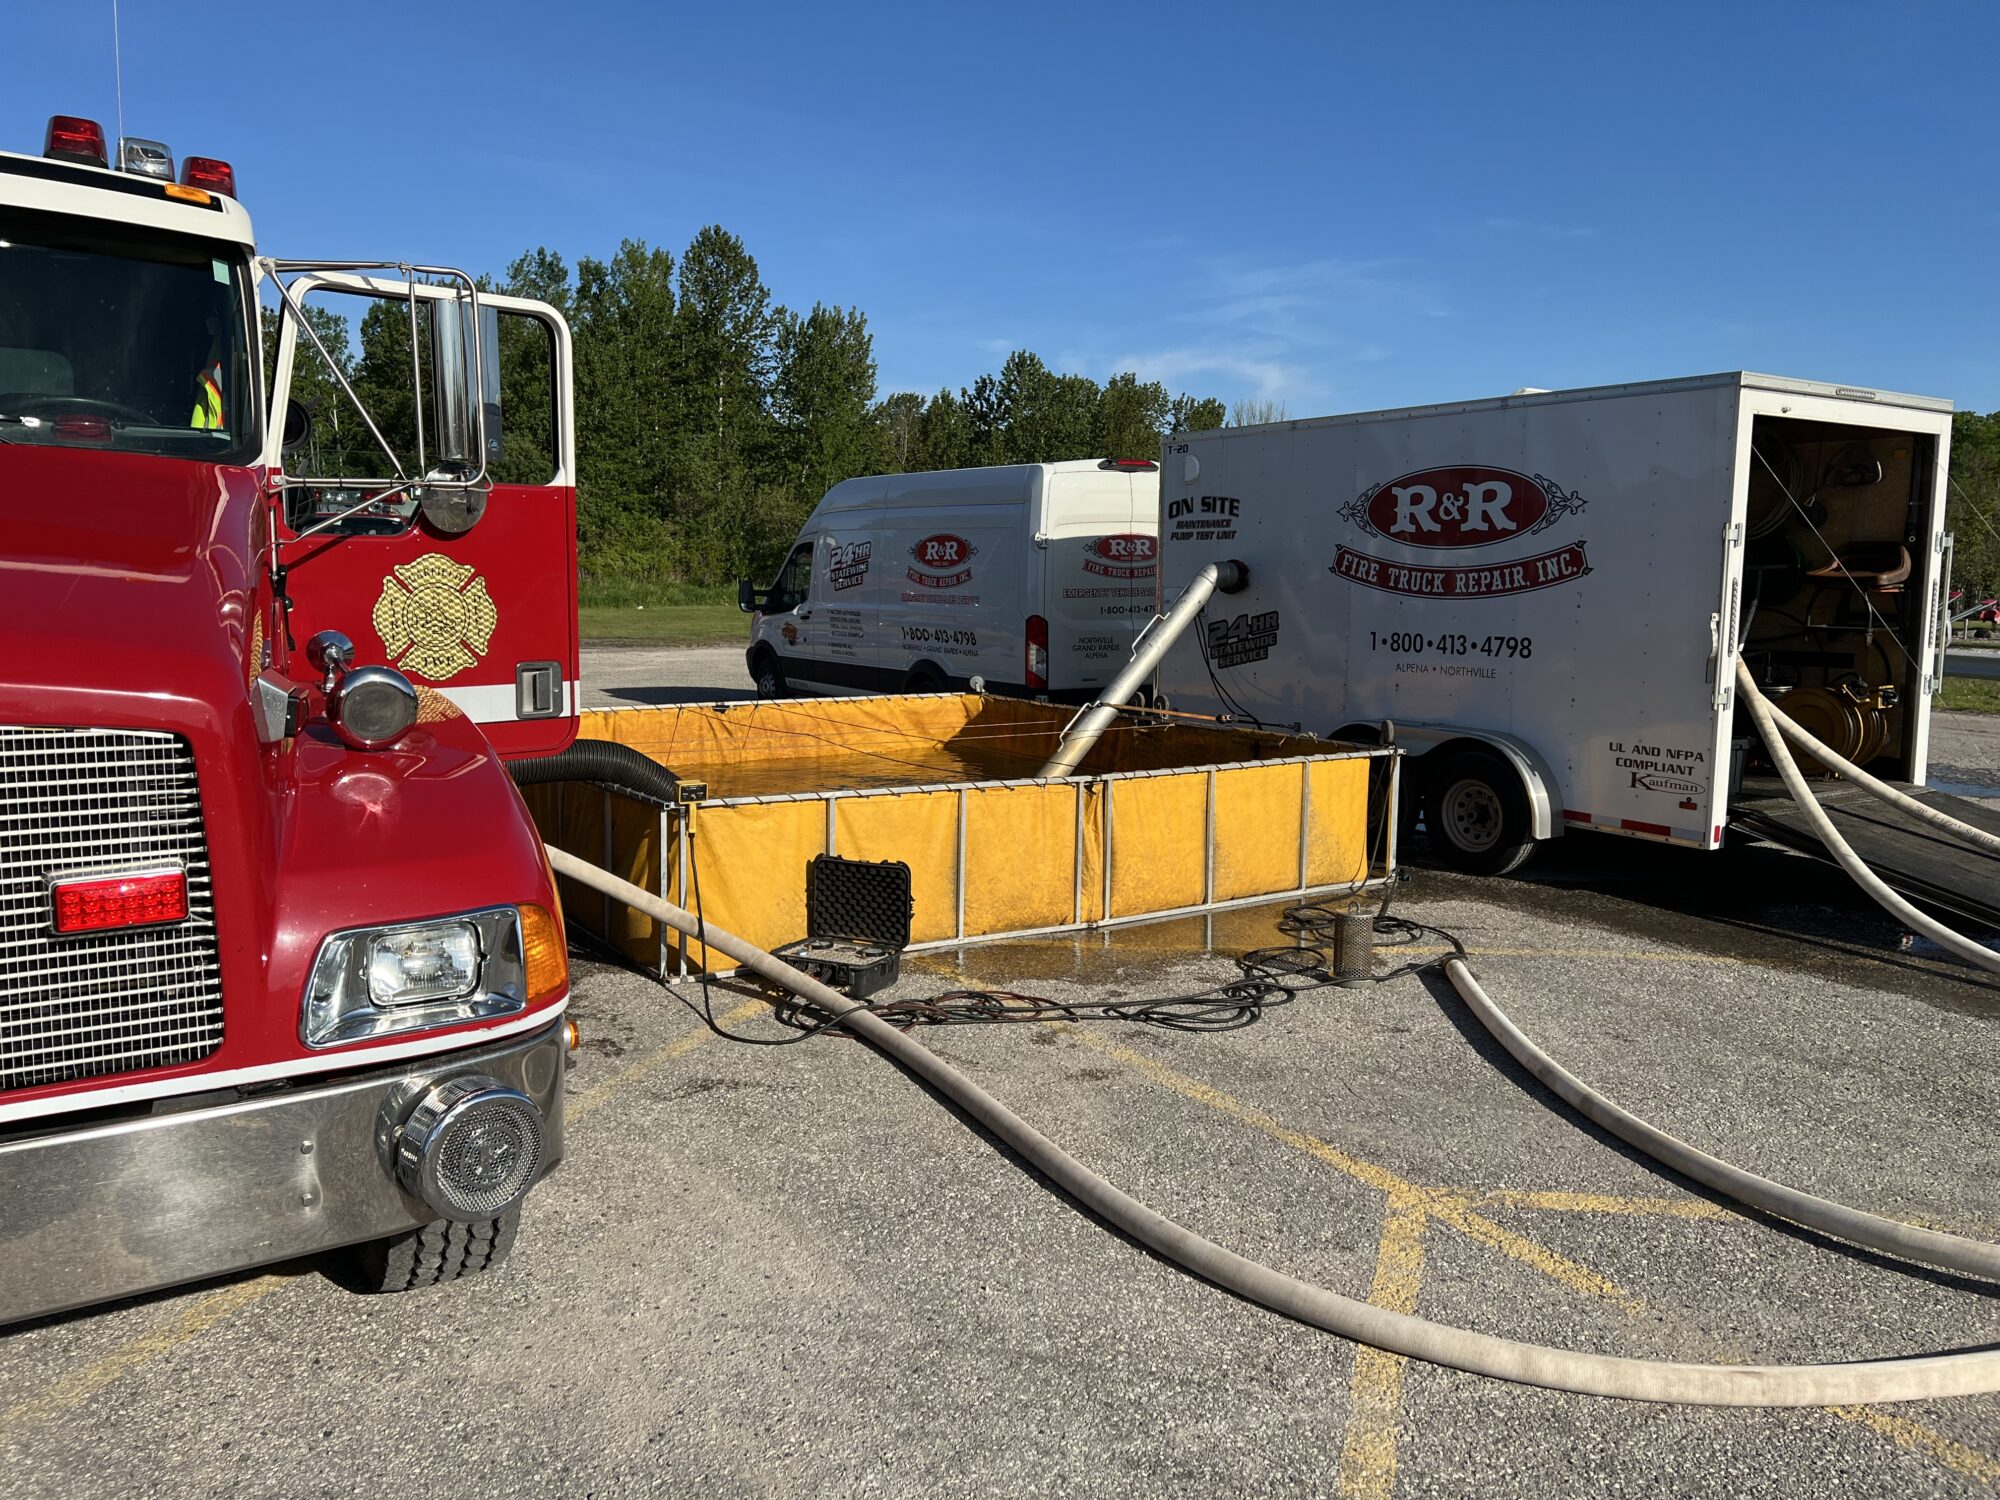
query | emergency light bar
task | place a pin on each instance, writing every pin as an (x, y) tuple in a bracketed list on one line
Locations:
[(75, 139)]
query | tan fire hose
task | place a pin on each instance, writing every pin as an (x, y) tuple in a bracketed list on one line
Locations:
[(1920, 1378), (1762, 714)]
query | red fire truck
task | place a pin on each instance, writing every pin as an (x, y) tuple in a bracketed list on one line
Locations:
[(282, 969)]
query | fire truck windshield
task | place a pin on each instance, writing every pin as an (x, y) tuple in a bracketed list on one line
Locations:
[(113, 337)]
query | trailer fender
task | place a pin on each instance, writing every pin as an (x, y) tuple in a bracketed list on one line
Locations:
[(1545, 811)]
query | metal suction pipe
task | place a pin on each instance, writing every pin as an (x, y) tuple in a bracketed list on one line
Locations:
[(1218, 577)]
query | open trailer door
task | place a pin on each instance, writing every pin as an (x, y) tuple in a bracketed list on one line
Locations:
[(430, 503)]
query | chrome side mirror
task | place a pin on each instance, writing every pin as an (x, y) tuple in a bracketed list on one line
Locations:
[(298, 425), (451, 512), (331, 654)]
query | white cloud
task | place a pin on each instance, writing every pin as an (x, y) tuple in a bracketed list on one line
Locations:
[(1178, 369)]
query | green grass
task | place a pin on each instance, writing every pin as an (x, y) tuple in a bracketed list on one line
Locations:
[(1970, 694), (666, 624)]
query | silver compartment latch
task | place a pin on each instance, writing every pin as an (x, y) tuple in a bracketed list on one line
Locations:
[(538, 690)]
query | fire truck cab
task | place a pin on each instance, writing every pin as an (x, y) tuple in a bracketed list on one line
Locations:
[(282, 966)]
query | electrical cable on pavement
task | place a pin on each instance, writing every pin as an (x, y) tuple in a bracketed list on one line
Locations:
[(1271, 977)]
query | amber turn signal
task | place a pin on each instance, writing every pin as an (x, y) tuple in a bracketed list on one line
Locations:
[(546, 955)]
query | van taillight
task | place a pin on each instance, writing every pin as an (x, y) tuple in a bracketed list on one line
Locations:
[(1038, 652)]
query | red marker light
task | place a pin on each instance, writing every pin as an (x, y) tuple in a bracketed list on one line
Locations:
[(1037, 663), (72, 138), (107, 902), (207, 172), (1129, 465)]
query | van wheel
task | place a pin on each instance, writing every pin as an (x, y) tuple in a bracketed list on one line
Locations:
[(1477, 814), (770, 676), (925, 678)]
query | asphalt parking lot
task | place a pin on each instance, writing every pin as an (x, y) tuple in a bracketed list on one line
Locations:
[(791, 1272)]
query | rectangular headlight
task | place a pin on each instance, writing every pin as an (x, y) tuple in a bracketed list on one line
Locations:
[(437, 961), (370, 982)]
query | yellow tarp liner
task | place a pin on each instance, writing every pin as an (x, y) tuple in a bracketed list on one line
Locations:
[(1020, 857), (1337, 848), (1257, 828), (919, 828), (1158, 827), (753, 871), (1180, 815)]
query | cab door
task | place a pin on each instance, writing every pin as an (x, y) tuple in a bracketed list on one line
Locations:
[(429, 511)]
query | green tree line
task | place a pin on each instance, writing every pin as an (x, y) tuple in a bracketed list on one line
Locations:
[(711, 419), (1972, 505)]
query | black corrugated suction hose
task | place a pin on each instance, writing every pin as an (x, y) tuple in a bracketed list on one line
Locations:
[(602, 763)]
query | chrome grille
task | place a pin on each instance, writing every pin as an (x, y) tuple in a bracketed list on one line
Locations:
[(88, 802)]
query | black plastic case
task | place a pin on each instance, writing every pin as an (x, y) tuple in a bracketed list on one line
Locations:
[(857, 923)]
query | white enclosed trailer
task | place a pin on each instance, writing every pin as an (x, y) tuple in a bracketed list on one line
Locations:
[(1546, 593)]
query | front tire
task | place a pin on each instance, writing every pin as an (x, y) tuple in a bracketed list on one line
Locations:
[(442, 1250), (1477, 814), (769, 676)]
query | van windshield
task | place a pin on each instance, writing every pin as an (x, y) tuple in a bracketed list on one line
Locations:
[(118, 338)]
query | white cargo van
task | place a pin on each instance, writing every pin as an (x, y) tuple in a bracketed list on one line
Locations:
[(1034, 578), (1547, 594)]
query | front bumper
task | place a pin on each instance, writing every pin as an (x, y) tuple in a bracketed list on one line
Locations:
[(111, 1210)]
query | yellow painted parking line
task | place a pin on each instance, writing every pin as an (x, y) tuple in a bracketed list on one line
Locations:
[(1449, 1207), (1914, 1437), (193, 1320), (198, 1317), (1375, 1393), (1375, 1445)]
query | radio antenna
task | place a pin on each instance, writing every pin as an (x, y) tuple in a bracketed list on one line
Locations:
[(118, 77)]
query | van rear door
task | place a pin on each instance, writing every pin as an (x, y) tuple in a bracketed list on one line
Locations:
[(1102, 570)]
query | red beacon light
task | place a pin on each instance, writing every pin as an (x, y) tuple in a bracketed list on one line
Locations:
[(72, 138), (209, 174)]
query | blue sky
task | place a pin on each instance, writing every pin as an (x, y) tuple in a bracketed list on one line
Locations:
[(1335, 207)]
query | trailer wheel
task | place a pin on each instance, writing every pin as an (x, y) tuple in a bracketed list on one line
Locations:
[(1477, 814), (769, 675), (443, 1250)]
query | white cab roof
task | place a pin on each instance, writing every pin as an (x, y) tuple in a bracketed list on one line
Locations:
[(61, 187)]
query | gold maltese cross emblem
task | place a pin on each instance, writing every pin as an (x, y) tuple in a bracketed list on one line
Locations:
[(434, 617)]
